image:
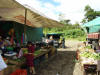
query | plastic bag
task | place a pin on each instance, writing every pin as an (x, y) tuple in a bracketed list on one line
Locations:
[(2, 63)]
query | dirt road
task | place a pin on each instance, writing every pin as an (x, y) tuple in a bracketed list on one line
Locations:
[(63, 63)]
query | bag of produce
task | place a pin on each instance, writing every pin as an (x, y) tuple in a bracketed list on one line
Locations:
[(37, 52), (20, 72)]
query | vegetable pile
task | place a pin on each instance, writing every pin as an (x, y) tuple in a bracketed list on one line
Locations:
[(87, 54), (37, 52)]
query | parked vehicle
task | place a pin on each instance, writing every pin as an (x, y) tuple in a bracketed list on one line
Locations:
[(56, 38), (92, 29), (93, 39)]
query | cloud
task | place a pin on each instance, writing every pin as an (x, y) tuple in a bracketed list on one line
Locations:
[(47, 8), (73, 9)]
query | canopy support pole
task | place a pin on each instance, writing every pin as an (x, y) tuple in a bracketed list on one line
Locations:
[(25, 23)]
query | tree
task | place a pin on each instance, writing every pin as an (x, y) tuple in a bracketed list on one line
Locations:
[(66, 22), (63, 20), (90, 13), (83, 21), (77, 25)]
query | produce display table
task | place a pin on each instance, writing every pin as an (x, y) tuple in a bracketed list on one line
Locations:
[(39, 57), (44, 56), (89, 61), (88, 65), (42, 53)]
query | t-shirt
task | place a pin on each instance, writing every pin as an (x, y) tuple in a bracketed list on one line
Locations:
[(31, 49), (2, 63)]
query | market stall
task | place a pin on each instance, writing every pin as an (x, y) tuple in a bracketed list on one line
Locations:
[(11, 53), (18, 25), (89, 59), (41, 55)]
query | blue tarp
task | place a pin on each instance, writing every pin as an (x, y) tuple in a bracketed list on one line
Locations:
[(93, 26), (95, 22)]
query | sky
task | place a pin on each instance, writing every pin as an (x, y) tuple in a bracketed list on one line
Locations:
[(70, 9)]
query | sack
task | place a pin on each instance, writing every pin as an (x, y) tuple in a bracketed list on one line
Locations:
[(20, 72)]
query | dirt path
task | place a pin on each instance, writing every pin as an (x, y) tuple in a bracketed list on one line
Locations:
[(63, 63)]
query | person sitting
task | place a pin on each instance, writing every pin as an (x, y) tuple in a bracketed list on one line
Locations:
[(7, 41)]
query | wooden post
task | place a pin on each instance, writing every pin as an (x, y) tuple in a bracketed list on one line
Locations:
[(25, 23)]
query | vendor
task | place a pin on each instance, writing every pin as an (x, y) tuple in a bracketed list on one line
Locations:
[(30, 58), (7, 41), (2, 64)]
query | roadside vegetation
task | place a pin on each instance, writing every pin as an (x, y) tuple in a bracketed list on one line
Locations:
[(69, 32), (74, 31)]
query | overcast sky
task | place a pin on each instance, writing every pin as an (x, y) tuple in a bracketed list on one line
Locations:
[(71, 9)]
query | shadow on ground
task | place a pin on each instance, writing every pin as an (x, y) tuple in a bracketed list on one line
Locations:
[(63, 63)]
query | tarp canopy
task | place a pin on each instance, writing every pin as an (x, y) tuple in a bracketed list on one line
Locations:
[(92, 26), (10, 10), (95, 22)]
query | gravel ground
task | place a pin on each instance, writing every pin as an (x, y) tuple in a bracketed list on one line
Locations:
[(63, 63)]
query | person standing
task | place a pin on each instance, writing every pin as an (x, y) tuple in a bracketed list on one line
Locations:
[(63, 42), (30, 58)]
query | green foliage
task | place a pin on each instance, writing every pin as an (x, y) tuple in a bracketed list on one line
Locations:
[(90, 14), (74, 33), (65, 22), (37, 52), (70, 31)]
